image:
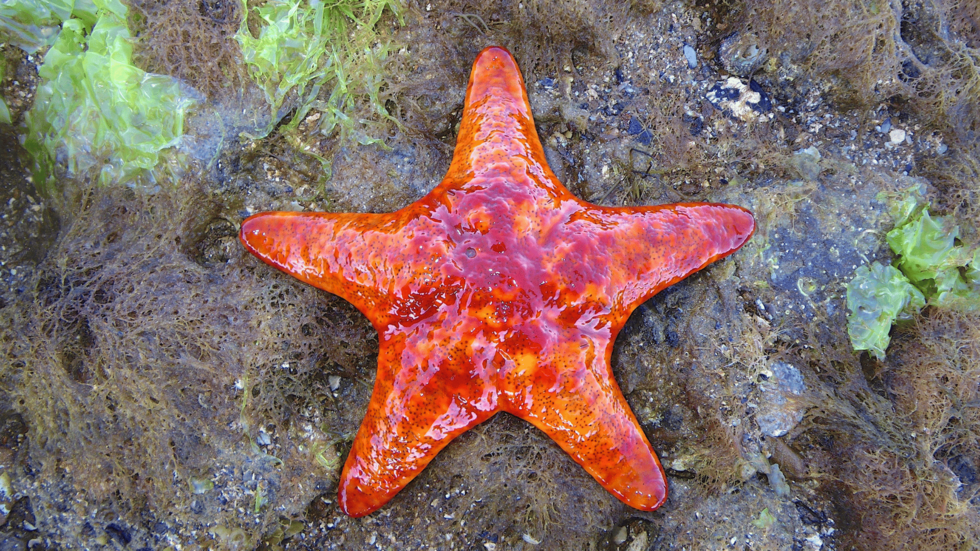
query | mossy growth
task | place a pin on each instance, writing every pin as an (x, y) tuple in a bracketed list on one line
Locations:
[(537, 488), (546, 36), (562, 32), (910, 434), (192, 42), (172, 386), (874, 51)]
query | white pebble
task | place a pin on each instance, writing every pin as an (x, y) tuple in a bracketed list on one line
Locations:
[(691, 55)]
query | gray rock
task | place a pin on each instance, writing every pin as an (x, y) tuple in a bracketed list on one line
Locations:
[(740, 54), (807, 163), (779, 418), (691, 55), (788, 377), (781, 410)]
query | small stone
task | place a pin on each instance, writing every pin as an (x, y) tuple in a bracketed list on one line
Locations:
[(740, 54), (691, 55), (620, 536), (807, 163), (635, 126), (788, 377), (780, 418), (780, 410), (897, 136), (639, 543), (778, 481), (645, 137), (530, 539), (884, 127), (334, 381)]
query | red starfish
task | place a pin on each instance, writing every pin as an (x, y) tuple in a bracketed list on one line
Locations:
[(498, 291)]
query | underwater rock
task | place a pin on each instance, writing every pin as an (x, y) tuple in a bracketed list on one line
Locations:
[(806, 162), (740, 55), (781, 410), (739, 99), (778, 481)]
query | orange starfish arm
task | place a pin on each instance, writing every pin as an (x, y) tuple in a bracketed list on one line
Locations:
[(373, 261), (651, 248), (422, 400), (583, 410), (326, 250)]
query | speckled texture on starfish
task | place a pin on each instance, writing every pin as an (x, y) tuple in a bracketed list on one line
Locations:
[(498, 291)]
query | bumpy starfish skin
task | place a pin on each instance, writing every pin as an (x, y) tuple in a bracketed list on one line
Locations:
[(498, 291)]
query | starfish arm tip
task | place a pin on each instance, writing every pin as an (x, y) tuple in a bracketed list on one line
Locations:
[(250, 230), (649, 495), (268, 234), (356, 503), (742, 224)]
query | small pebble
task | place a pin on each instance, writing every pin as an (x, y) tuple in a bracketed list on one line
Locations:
[(897, 136), (778, 481), (529, 539), (740, 54), (620, 536), (781, 409), (691, 55), (789, 378)]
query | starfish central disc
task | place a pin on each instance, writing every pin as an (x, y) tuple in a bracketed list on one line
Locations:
[(498, 291)]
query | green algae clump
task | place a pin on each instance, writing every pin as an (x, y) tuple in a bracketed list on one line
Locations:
[(95, 110), (304, 46), (931, 268), (930, 258), (33, 24), (878, 296)]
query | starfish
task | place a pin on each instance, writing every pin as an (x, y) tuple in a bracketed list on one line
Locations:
[(498, 291)]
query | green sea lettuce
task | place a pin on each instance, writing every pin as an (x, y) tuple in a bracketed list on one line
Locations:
[(931, 259), (924, 246), (904, 205), (96, 111), (290, 54), (930, 267), (306, 45), (34, 24), (878, 296), (972, 273)]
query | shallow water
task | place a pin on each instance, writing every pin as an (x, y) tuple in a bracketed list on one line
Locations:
[(163, 387)]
